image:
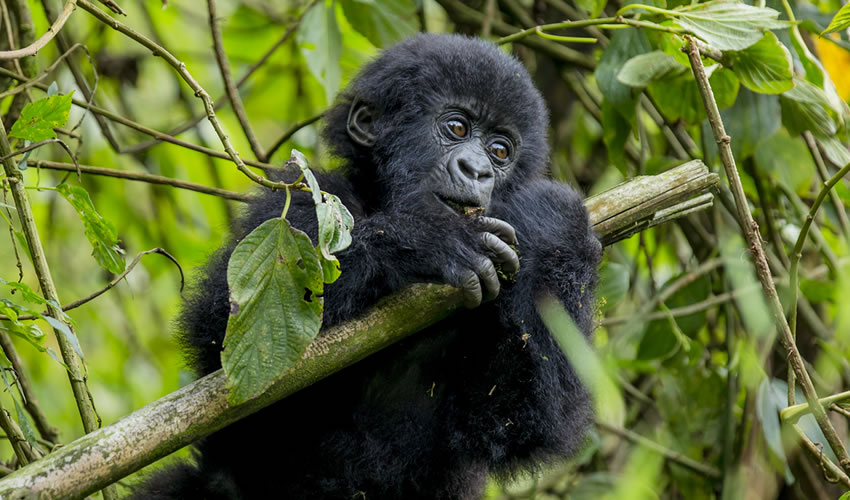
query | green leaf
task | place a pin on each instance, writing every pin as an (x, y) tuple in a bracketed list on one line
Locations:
[(624, 45), (275, 284), (840, 22), (835, 150), (678, 97), (764, 67), (335, 221), (320, 43), (806, 107), (335, 225), (26, 292), (640, 70), (383, 22), (99, 231), (728, 25), (39, 118)]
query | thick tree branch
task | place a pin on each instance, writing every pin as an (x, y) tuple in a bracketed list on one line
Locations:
[(201, 408)]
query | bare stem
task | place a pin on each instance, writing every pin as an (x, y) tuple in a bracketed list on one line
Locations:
[(230, 88), (34, 47), (760, 260)]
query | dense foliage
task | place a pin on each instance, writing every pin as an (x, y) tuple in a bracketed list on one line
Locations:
[(693, 354)]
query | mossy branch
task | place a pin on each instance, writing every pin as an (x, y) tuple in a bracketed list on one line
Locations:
[(201, 408)]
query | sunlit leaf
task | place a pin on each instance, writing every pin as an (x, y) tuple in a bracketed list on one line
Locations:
[(640, 70), (99, 231), (840, 22), (320, 42), (335, 221), (275, 284), (806, 107), (763, 67), (39, 118), (383, 22), (728, 25)]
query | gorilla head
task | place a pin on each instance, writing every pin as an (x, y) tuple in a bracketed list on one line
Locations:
[(423, 114)]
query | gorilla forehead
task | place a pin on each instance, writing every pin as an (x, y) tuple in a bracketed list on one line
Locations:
[(420, 76)]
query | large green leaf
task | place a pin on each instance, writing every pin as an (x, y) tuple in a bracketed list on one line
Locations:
[(320, 43), (678, 97), (39, 118), (642, 69), (728, 25), (99, 231), (764, 67), (383, 22), (841, 21), (275, 284)]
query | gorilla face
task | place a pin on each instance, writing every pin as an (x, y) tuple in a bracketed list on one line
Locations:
[(475, 156), (434, 128), (470, 154)]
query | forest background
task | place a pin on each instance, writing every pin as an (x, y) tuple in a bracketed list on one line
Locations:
[(695, 342)]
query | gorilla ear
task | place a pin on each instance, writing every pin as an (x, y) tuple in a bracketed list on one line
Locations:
[(360, 124)]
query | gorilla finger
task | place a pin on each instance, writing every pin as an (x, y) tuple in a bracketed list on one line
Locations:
[(501, 253), (500, 228), (470, 286), (489, 279)]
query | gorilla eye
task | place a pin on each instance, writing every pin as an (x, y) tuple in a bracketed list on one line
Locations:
[(457, 127), (499, 150)]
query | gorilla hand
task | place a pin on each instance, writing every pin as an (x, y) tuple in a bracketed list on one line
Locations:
[(480, 281)]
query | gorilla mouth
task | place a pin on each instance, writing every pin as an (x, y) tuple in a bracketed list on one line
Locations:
[(462, 207)]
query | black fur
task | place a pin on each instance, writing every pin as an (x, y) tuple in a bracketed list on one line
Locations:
[(485, 392)]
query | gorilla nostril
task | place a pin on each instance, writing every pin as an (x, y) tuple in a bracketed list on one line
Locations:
[(474, 170)]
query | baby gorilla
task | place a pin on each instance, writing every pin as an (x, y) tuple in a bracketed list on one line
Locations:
[(444, 146)]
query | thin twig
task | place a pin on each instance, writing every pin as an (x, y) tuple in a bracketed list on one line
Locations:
[(47, 71), (77, 303), (202, 94), (64, 43), (831, 472), (75, 368), (33, 48), (147, 130), (823, 175), (145, 177), (230, 88), (222, 100), (289, 133), (23, 450), (671, 455), (679, 311), (762, 270), (47, 431)]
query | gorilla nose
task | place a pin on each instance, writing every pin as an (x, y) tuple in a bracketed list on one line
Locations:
[(475, 168)]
